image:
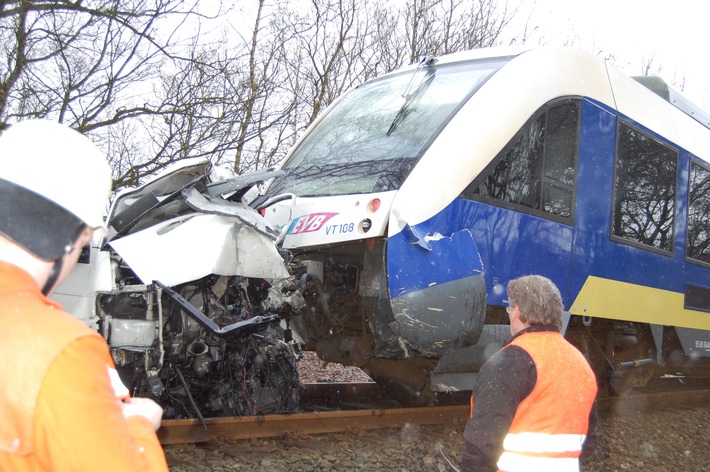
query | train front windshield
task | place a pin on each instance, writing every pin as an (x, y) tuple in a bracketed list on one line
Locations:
[(371, 140)]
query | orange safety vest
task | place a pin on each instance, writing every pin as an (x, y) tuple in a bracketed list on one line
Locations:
[(58, 402), (550, 425)]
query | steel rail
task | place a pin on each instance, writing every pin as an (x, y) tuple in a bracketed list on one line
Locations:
[(184, 431), (192, 430)]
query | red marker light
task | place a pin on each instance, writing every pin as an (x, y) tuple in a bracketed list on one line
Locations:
[(374, 205)]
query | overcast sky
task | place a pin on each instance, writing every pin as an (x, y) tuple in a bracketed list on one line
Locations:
[(671, 33)]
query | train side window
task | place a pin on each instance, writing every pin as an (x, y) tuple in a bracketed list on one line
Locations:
[(560, 154), (698, 242), (644, 190), (537, 168)]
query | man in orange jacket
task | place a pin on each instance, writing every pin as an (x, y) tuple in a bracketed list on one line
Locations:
[(532, 401), (62, 405)]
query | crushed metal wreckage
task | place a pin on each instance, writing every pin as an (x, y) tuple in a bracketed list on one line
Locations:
[(193, 297)]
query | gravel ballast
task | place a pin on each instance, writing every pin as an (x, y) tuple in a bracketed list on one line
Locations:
[(667, 440)]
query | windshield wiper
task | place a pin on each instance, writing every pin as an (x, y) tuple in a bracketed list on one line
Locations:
[(410, 95)]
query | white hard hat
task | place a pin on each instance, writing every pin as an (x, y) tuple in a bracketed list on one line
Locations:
[(45, 165)]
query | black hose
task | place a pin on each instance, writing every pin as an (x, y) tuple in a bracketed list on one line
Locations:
[(189, 397)]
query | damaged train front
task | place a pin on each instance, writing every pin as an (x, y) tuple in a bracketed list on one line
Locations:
[(193, 297)]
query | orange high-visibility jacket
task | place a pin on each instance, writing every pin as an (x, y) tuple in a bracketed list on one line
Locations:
[(550, 424), (58, 406)]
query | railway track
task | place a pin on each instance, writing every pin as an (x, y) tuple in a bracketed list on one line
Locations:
[(360, 417)]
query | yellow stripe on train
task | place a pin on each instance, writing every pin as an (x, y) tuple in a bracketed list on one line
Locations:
[(612, 299)]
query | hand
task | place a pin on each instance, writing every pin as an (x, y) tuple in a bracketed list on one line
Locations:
[(143, 407)]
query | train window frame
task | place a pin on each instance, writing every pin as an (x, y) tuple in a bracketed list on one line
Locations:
[(704, 166), (675, 152), (546, 181), (385, 172)]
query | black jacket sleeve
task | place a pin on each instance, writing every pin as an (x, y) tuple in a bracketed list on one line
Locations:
[(504, 381)]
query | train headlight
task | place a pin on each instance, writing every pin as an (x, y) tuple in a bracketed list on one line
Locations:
[(365, 225)]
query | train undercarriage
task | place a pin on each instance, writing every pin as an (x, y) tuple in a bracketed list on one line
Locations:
[(348, 320), (626, 355)]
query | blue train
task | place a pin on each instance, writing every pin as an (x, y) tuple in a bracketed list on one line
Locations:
[(416, 197)]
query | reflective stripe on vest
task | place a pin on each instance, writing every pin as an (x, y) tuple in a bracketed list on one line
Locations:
[(537, 443), (511, 462)]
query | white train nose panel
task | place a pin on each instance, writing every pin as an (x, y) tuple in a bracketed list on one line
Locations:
[(321, 221)]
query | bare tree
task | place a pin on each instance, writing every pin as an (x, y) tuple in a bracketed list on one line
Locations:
[(435, 27), (263, 111), (325, 47), (158, 81), (87, 64)]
